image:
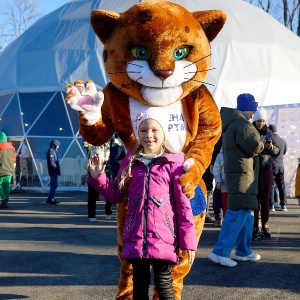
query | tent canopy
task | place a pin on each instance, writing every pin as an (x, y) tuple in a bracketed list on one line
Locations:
[(253, 53)]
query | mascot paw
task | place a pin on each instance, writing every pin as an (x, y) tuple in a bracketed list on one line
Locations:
[(187, 164), (84, 98), (190, 179)]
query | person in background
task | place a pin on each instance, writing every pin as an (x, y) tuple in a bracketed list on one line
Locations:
[(105, 155), (278, 171), (7, 168), (219, 174), (208, 179), (213, 194), (297, 182), (93, 194), (25, 154), (53, 170), (265, 180), (117, 152), (159, 222), (274, 198), (217, 196), (241, 145)]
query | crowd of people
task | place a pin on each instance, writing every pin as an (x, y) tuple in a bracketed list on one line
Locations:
[(271, 183), (111, 154), (246, 167)]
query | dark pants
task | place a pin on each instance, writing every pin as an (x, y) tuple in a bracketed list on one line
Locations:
[(108, 208), (224, 203), (162, 279), (217, 203), (93, 196), (29, 165), (265, 183), (53, 186), (278, 174)]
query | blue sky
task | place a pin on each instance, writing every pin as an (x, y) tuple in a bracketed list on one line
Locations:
[(47, 6), (44, 7)]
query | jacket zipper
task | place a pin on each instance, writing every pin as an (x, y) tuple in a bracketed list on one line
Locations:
[(149, 166)]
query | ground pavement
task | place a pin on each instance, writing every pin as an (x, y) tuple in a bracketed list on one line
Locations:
[(54, 252)]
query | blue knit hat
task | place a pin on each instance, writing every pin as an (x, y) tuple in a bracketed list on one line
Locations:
[(246, 102)]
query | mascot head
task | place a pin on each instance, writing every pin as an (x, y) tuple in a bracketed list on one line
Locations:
[(157, 52)]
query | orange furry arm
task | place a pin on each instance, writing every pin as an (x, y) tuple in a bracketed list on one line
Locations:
[(204, 130)]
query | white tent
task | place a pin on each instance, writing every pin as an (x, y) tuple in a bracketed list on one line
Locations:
[(253, 53)]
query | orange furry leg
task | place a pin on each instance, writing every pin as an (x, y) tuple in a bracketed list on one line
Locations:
[(183, 267), (125, 284)]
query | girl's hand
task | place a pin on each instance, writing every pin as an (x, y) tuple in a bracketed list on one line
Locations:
[(191, 254), (96, 167)]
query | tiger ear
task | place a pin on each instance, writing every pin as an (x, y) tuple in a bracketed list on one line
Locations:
[(104, 22), (211, 21)]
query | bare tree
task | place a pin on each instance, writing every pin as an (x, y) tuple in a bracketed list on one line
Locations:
[(16, 17), (285, 11)]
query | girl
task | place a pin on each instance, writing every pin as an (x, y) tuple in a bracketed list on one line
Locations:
[(159, 220)]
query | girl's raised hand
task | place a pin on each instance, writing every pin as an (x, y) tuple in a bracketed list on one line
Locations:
[(96, 166)]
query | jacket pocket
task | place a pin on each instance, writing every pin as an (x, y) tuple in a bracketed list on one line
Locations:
[(133, 217), (163, 215)]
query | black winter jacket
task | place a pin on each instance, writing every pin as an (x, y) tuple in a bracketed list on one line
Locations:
[(52, 160)]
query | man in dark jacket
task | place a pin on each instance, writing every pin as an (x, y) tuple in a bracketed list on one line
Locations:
[(278, 170), (241, 144), (53, 170)]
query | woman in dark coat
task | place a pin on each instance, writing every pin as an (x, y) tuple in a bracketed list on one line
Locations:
[(265, 178)]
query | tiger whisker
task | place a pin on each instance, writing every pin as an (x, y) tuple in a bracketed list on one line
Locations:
[(131, 83), (203, 82), (138, 79), (130, 63), (197, 60), (201, 71)]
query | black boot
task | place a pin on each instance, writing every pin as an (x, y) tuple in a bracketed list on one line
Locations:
[(4, 203)]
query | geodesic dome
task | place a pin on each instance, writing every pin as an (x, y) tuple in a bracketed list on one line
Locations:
[(253, 53)]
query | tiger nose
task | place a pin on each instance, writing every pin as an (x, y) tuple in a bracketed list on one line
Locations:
[(163, 74)]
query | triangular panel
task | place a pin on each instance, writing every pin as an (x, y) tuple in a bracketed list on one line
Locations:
[(3, 102), (73, 167), (10, 121), (73, 118), (31, 106), (53, 121)]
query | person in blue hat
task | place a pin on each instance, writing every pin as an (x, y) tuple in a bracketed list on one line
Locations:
[(241, 145)]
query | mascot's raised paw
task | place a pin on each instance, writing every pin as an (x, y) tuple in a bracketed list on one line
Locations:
[(84, 97)]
